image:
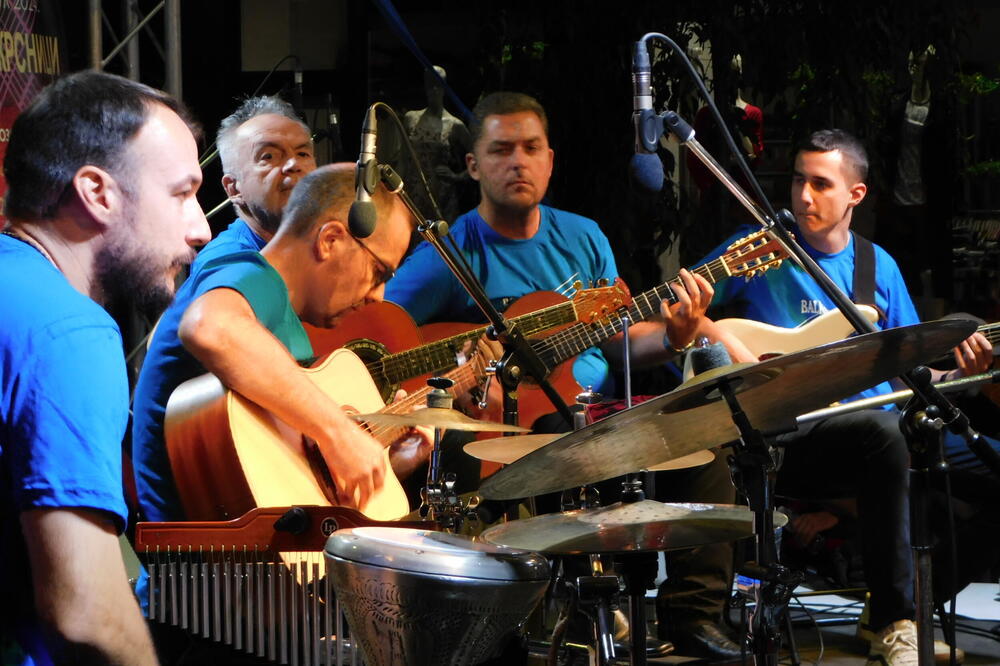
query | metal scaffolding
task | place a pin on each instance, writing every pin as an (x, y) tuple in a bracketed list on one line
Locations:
[(128, 47)]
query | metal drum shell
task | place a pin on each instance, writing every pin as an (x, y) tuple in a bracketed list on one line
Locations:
[(412, 606)]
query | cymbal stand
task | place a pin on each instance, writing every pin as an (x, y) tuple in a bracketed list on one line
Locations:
[(770, 585), (922, 427)]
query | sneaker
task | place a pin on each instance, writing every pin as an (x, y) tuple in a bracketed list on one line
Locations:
[(896, 645), (942, 651)]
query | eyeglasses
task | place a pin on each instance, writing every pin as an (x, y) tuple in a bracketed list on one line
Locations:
[(382, 271)]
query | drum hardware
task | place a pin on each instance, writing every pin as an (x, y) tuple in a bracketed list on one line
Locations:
[(723, 405), (439, 501)]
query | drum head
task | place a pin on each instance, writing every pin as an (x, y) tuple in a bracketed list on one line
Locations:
[(435, 553)]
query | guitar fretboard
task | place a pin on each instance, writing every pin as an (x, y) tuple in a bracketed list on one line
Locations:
[(440, 355), (571, 341), (465, 376)]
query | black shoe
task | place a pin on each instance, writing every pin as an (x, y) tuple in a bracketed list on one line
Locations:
[(706, 640)]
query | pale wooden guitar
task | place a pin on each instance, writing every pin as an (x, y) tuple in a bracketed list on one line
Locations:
[(766, 341), (230, 455)]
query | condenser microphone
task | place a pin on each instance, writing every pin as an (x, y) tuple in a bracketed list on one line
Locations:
[(645, 167), (361, 218), (642, 99)]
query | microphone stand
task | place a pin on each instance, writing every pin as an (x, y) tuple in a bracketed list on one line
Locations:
[(519, 358), (924, 417)]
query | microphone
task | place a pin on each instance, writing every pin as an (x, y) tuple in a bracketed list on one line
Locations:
[(362, 217), (709, 357), (642, 100), (645, 170), (645, 167)]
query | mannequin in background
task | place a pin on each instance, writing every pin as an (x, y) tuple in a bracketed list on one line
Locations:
[(441, 141)]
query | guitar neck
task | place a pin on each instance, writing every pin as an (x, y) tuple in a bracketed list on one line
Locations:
[(440, 355), (465, 376), (581, 336)]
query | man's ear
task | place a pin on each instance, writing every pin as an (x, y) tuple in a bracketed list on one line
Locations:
[(99, 194), (330, 239), (472, 164), (232, 188), (858, 191)]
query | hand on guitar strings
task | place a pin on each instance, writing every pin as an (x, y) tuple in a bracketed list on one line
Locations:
[(973, 356), (356, 462), (683, 318), (412, 449)]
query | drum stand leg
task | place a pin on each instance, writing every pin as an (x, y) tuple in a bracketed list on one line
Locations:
[(765, 581), (600, 593)]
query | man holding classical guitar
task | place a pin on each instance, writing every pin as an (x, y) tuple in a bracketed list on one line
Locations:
[(862, 454), (517, 246)]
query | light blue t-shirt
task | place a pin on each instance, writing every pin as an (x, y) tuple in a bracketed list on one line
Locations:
[(565, 248), (63, 414), (787, 296)]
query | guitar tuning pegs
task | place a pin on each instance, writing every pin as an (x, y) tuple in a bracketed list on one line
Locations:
[(577, 285), (603, 282)]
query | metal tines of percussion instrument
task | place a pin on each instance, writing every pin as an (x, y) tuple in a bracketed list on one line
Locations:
[(277, 607), (420, 597)]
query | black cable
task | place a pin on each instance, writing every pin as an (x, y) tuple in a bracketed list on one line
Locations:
[(948, 627), (211, 153), (819, 632), (723, 128), (413, 155)]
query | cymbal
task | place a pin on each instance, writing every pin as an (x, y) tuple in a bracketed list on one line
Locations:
[(505, 450), (620, 527), (695, 417), (435, 417)]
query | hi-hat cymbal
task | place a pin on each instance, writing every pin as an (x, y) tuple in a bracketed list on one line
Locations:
[(506, 450), (620, 527), (695, 416), (435, 417)]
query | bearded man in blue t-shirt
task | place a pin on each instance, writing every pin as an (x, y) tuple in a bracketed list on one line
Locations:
[(516, 245), (102, 175), (862, 454)]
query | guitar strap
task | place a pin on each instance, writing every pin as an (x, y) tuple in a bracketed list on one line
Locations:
[(864, 272)]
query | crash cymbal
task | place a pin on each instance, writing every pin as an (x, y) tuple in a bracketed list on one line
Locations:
[(645, 525), (695, 417), (505, 450), (435, 417)]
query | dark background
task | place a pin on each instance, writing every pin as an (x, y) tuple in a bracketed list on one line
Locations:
[(807, 64)]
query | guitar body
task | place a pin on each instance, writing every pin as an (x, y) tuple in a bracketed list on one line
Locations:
[(230, 455), (532, 401), (766, 341)]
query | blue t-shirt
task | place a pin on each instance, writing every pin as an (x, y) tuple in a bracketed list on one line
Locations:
[(230, 261), (787, 296), (565, 248), (63, 414)]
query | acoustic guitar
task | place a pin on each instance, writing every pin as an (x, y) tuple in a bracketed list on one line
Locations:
[(230, 455), (766, 341), (561, 329)]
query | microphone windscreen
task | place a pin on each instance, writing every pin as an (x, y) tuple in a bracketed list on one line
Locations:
[(646, 171), (361, 219), (707, 358)]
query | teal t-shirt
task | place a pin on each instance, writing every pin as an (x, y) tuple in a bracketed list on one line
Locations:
[(168, 364)]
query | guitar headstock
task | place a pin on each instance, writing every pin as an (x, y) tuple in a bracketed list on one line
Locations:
[(597, 303), (753, 254)]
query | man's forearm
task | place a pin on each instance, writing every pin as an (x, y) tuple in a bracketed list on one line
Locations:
[(82, 596)]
